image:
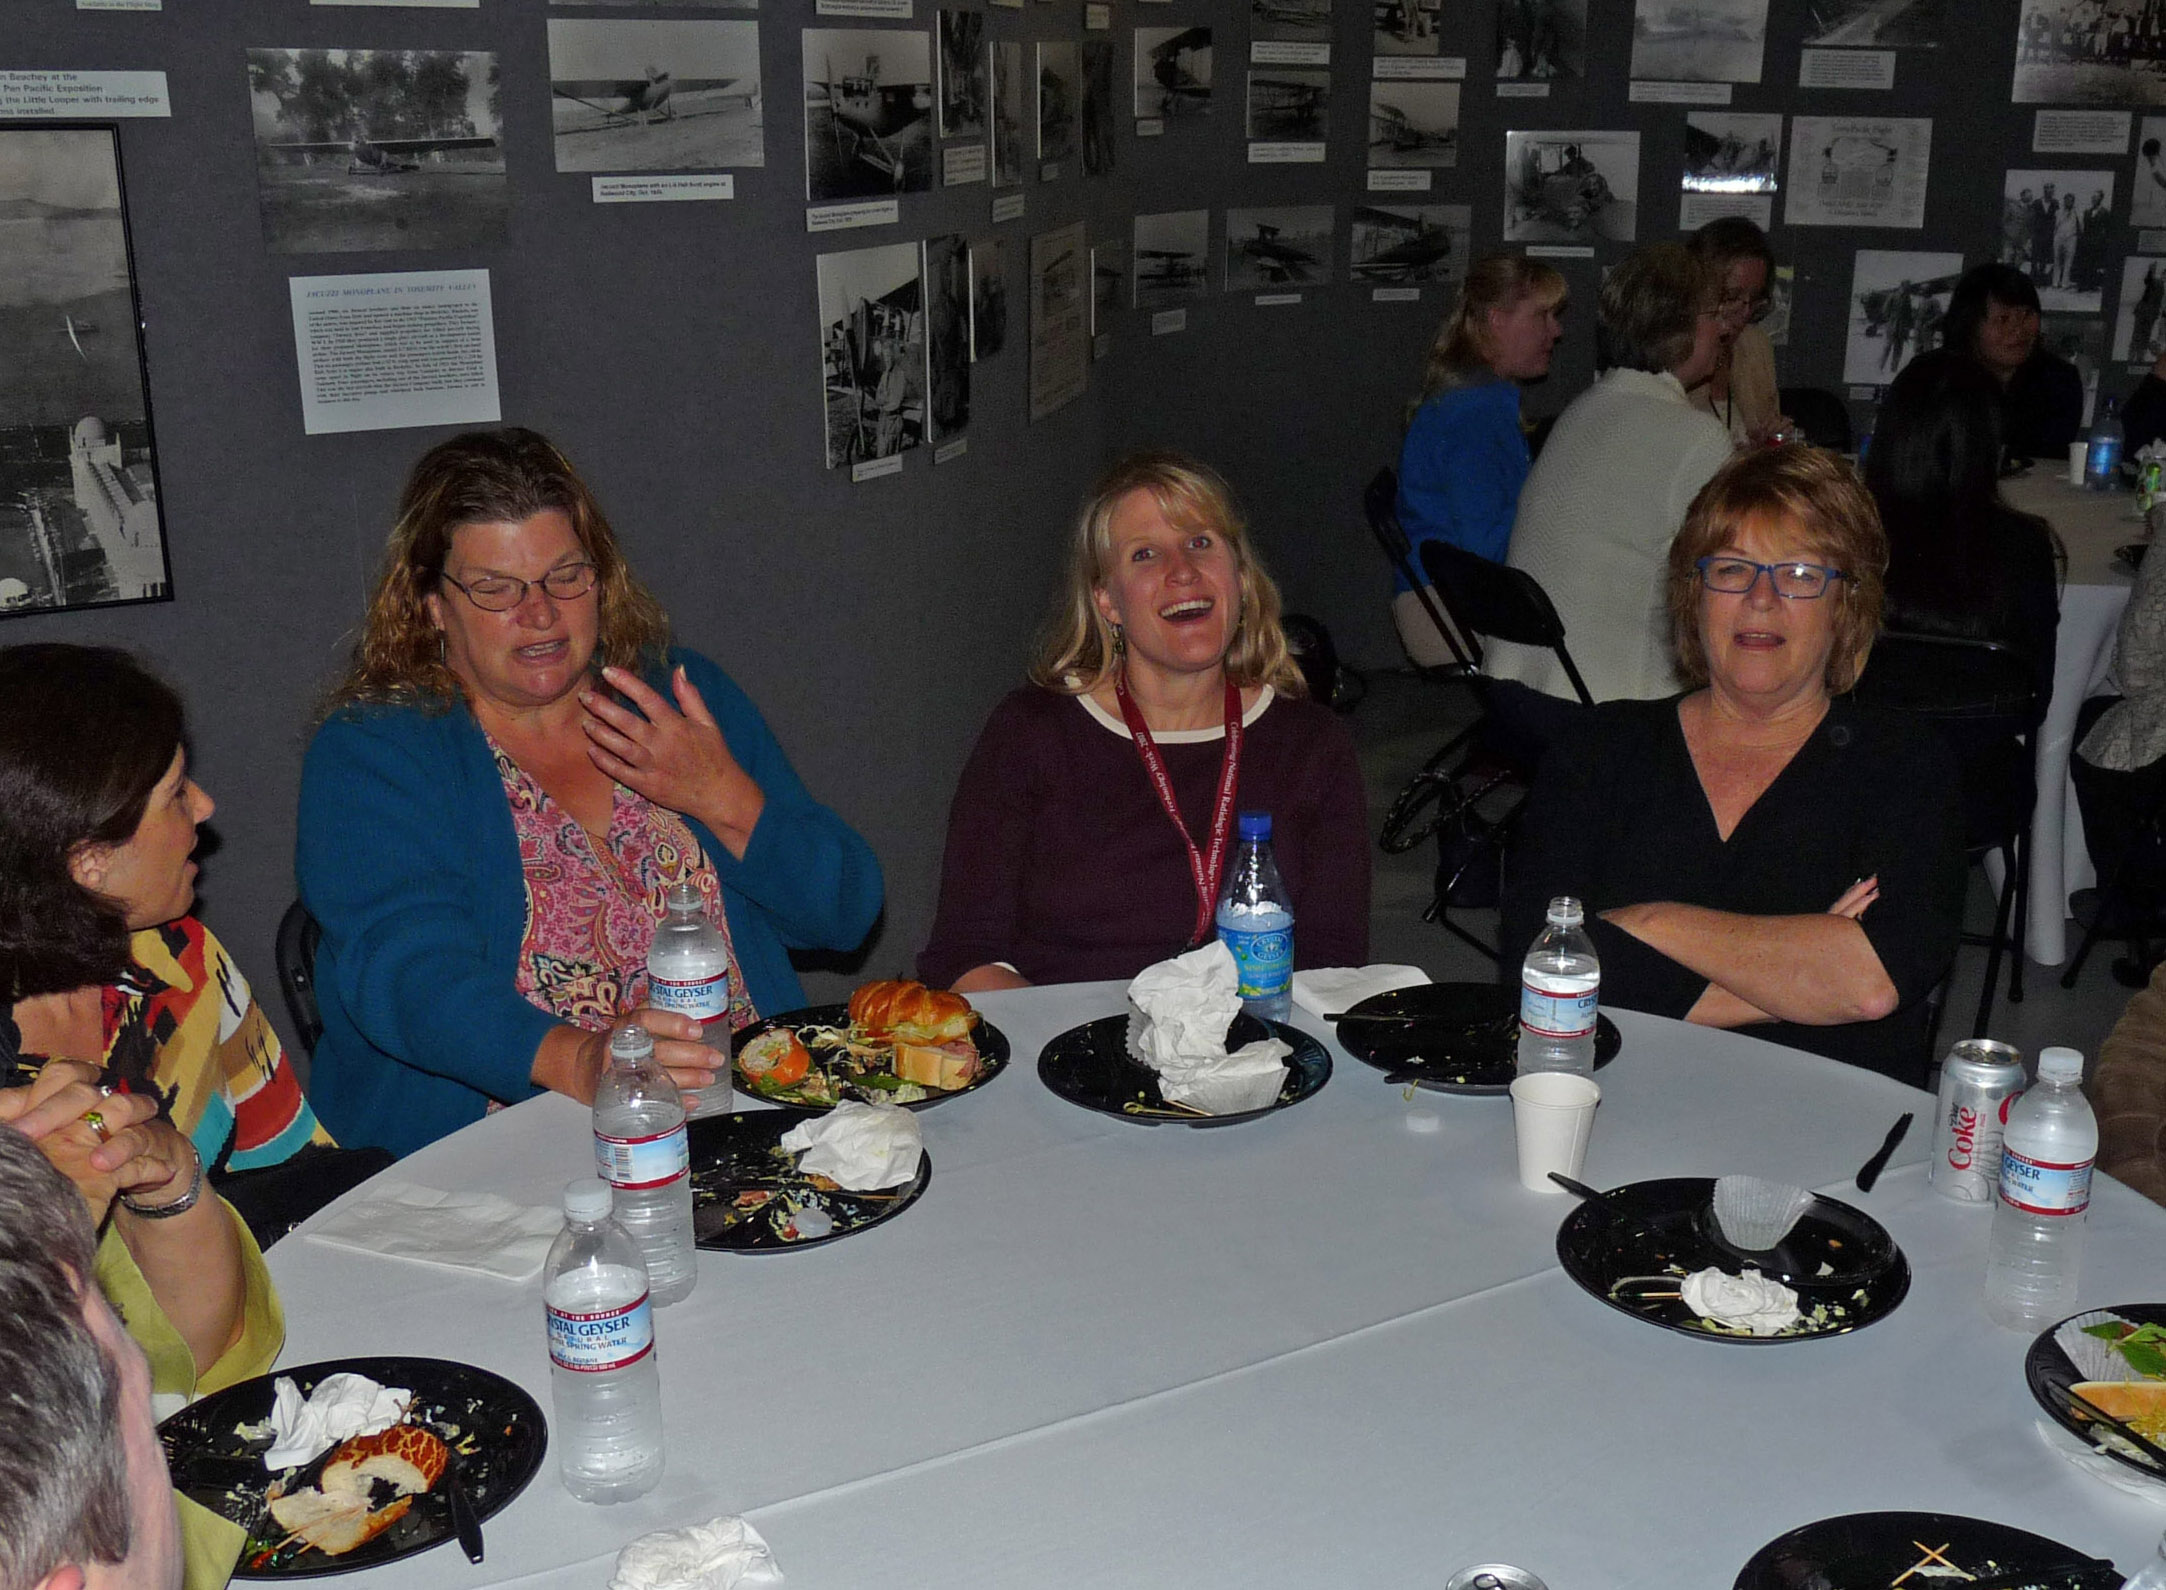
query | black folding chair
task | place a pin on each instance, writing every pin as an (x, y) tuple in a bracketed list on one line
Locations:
[(295, 951), (1980, 697), (2128, 904), (1381, 502)]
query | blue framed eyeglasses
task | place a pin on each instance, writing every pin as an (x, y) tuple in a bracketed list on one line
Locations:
[(1796, 582)]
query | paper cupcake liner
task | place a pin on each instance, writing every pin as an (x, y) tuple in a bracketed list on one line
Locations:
[(2094, 1359)]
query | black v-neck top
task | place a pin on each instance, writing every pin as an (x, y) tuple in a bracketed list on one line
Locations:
[(1618, 817)]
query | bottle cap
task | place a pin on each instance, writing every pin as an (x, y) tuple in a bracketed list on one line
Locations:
[(587, 1198), (1256, 825), (685, 896), (1564, 911), (631, 1042), (2060, 1065)]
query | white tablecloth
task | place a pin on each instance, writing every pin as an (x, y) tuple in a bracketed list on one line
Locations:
[(1316, 1350), (2091, 525)]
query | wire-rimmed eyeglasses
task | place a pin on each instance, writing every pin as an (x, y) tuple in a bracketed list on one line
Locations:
[(1755, 307), (500, 593), (1798, 582)]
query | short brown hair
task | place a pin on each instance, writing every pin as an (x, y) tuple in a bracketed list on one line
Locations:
[(484, 477), (1649, 308), (1076, 653), (1818, 495)]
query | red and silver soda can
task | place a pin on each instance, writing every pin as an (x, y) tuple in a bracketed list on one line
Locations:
[(1978, 1081)]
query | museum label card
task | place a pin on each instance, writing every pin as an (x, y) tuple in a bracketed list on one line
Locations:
[(1282, 52), (1151, 127), (1285, 154), (2080, 132), (1400, 181), (43, 95), (1271, 300), (874, 468), (886, 10), (1395, 295), (1680, 93), (846, 217), (664, 189), (1165, 322), (390, 349), (948, 452), (1862, 394), (1097, 18), (1008, 207), (141, 5), (1695, 210), (1560, 251), (962, 163), (1509, 90), (1419, 66), (1846, 69)]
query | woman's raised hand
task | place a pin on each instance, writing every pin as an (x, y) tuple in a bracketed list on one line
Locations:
[(130, 1151), (675, 755)]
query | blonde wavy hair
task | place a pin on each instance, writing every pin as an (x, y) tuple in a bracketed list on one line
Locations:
[(1078, 652), (1461, 353), (483, 477)]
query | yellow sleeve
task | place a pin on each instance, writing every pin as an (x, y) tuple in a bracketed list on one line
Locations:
[(210, 1545), (172, 1366)]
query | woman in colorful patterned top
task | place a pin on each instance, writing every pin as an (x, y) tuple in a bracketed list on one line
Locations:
[(513, 774)]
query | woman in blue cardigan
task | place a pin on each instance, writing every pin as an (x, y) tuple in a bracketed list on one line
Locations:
[(513, 774)]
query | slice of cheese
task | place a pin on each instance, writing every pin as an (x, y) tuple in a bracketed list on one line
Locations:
[(934, 1068)]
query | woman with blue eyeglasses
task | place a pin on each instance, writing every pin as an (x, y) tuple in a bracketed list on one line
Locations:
[(1760, 852)]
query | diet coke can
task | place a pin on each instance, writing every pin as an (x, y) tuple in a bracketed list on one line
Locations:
[(1978, 1081), (1494, 1576)]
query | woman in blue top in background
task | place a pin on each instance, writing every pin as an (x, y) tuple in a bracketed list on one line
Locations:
[(513, 774), (1465, 455)]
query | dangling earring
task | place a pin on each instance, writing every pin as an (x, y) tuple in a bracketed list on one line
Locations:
[(1120, 642)]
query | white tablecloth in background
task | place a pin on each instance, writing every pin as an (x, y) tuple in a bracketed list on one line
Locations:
[(1315, 1350)]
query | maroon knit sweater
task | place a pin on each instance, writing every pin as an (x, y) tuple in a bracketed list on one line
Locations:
[(1061, 862)]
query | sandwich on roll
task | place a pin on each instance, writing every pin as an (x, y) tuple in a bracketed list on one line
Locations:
[(929, 1029)]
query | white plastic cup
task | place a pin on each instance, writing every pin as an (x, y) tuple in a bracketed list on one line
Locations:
[(2076, 453), (1553, 1112)]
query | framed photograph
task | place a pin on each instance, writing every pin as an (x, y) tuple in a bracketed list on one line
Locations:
[(655, 96), (1286, 246), (80, 522), (872, 352), (1699, 41), (1897, 302), (1539, 41), (1413, 123), (1171, 254), (1403, 244), (962, 74), (947, 335), (1571, 187), (868, 113), (1173, 72), (1060, 99), (2054, 228)]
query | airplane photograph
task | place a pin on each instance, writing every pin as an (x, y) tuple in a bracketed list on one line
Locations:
[(1289, 246), (1876, 24), (1060, 99), (1570, 187), (1405, 27), (1173, 72), (1100, 107), (655, 96), (1897, 302), (988, 297), (1288, 104), (1699, 41), (1170, 253), (1413, 124), (377, 149), (1417, 243), (962, 74), (868, 113), (1004, 57), (946, 276), (1732, 151), (1291, 20), (872, 352)]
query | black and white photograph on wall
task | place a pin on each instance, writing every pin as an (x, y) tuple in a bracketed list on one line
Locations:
[(1413, 123), (1858, 171), (947, 335), (1109, 285), (1732, 151), (1172, 258), (2054, 228), (1876, 24), (1409, 245), (1060, 316), (1698, 41), (1898, 300), (655, 96), (868, 113), (1571, 187), (2087, 52), (2139, 330), (988, 297), (1288, 246), (1295, 21), (2147, 189), (1405, 27), (1173, 72), (2081, 340), (1289, 104), (1101, 106), (872, 352), (1541, 40), (1010, 109), (679, 5), (377, 149), (1060, 98), (962, 74), (79, 515), (1781, 292)]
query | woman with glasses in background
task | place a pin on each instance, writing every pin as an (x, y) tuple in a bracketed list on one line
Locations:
[(511, 777), (1759, 852), (1743, 392)]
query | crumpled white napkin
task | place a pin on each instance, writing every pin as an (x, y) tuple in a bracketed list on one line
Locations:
[(340, 1407), (861, 1146), (461, 1231), (1179, 1013), (1327, 990), (721, 1554), (2099, 1466)]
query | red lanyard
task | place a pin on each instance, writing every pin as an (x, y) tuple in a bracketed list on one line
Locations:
[(1205, 871)]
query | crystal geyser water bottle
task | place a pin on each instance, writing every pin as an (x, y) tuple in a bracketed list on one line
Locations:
[(641, 1151), (1256, 922), (2102, 449), (1560, 987), (603, 1378), (688, 971), (2036, 1254)]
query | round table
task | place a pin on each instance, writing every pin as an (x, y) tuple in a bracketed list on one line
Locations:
[(1320, 1349)]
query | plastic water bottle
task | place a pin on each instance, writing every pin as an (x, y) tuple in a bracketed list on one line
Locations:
[(688, 971), (2152, 1575), (2102, 453), (1257, 924), (1560, 990), (2036, 1256), (641, 1152), (603, 1377)]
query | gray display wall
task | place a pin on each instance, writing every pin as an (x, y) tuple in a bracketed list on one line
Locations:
[(673, 350)]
